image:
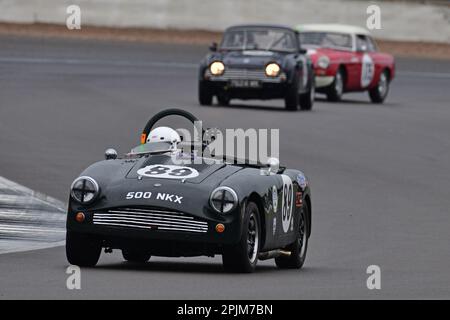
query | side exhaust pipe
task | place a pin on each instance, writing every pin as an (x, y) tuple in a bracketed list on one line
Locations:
[(273, 254)]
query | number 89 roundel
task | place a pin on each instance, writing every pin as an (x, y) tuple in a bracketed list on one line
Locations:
[(286, 203), (168, 172)]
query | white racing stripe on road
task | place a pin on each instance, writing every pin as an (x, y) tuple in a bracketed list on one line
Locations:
[(29, 219)]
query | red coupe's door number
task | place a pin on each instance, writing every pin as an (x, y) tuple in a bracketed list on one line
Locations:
[(168, 172), (287, 199), (367, 70)]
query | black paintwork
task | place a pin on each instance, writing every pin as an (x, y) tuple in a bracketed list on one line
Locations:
[(293, 65), (117, 177)]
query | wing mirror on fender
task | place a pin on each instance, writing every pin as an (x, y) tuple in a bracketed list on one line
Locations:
[(213, 47)]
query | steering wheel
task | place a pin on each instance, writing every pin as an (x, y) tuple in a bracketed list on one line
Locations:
[(163, 114)]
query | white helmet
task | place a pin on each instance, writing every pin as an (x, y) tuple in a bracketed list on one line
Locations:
[(164, 134)]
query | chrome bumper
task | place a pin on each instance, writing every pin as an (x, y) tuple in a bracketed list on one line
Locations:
[(324, 81)]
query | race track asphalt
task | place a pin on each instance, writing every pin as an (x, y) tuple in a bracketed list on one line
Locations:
[(380, 174)]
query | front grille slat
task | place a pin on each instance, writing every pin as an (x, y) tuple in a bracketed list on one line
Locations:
[(149, 224), (100, 217), (149, 218), (243, 74), (151, 214)]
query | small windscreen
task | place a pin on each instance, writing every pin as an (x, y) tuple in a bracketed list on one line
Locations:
[(151, 148)]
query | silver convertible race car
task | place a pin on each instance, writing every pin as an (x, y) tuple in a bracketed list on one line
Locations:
[(258, 62), (148, 203)]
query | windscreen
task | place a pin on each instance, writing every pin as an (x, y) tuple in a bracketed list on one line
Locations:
[(326, 39), (151, 148), (259, 39)]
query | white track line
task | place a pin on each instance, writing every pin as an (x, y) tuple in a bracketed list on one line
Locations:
[(29, 220)]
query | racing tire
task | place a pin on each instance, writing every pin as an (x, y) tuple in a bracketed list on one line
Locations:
[(307, 99), (299, 248), (205, 95), (223, 100), (243, 256), (135, 256), (381, 90), (82, 250), (291, 99), (336, 89)]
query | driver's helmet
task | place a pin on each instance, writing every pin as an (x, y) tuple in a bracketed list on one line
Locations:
[(164, 134)]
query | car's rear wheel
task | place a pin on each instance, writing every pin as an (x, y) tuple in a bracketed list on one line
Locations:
[(243, 256), (380, 92), (82, 250), (291, 98), (136, 256), (336, 89), (299, 247), (307, 99), (205, 95)]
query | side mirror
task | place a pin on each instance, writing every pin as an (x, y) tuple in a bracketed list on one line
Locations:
[(213, 47), (303, 51), (110, 154), (273, 165)]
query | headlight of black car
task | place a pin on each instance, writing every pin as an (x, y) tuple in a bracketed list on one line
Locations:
[(84, 190), (217, 68), (272, 69), (223, 199)]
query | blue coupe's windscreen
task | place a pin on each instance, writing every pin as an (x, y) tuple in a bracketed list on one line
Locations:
[(259, 39)]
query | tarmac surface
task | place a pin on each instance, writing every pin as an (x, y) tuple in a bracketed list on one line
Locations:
[(380, 174)]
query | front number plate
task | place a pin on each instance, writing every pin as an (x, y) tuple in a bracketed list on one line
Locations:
[(245, 83)]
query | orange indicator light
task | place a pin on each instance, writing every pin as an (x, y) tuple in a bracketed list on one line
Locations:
[(79, 217), (220, 228)]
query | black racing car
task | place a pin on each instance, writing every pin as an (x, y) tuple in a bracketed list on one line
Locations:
[(258, 62), (148, 204)]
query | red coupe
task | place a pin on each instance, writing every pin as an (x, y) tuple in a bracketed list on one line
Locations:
[(346, 59)]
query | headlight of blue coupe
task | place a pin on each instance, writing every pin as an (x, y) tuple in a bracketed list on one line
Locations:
[(223, 199), (272, 69), (84, 190), (217, 68)]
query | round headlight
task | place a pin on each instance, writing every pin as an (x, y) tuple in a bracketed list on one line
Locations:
[(272, 70), (323, 62), (223, 199), (217, 68), (84, 190)]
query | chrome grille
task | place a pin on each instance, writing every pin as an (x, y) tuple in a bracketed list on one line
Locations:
[(244, 74), (149, 218)]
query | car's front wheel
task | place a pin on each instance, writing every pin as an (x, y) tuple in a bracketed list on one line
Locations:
[(205, 95), (299, 247), (223, 99), (291, 96), (243, 256), (82, 250), (307, 99), (136, 256), (380, 92), (336, 89)]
